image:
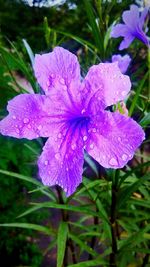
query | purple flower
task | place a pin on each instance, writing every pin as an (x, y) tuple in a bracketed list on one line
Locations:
[(132, 27), (72, 115), (123, 62)]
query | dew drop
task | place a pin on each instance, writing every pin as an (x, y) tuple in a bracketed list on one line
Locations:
[(123, 93), (94, 130), (67, 169), (14, 117), (26, 120), (39, 127), (113, 162), (91, 146), (57, 156), (124, 157), (59, 135), (73, 146), (84, 138), (83, 111), (62, 81), (48, 83), (29, 126), (46, 162)]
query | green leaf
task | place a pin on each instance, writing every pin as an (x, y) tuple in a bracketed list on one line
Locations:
[(125, 194), (47, 32), (135, 99), (29, 51), (82, 209), (89, 263), (83, 245), (48, 193), (95, 30), (145, 120), (61, 242), (90, 46), (36, 227)]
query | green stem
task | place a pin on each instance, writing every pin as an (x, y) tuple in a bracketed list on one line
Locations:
[(69, 243), (113, 254)]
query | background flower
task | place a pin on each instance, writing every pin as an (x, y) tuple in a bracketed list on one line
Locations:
[(132, 27), (123, 61)]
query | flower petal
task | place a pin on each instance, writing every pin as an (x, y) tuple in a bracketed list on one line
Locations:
[(28, 117), (114, 139), (126, 42), (131, 17), (123, 62), (119, 30), (58, 70), (143, 17), (61, 162), (104, 85)]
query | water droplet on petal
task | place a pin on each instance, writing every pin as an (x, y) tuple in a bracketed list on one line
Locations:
[(14, 117), (67, 169), (113, 162), (26, 120), (48, 83), (62, 81), (46, 162), (39, 127), (29, 126), (94, 130), (52, 75), (84, 138), (65, 87), (57, 155), (123, 93), (59, 135), (91, 146), (83, 111), (73, 146), (124, 157)]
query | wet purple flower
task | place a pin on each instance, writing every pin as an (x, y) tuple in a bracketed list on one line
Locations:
[(123, 62), (132, 27), (72, 115)]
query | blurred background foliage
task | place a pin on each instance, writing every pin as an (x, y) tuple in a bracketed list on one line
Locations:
[(80, 228)]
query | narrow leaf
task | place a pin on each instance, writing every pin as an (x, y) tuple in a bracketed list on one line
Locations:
[(61, 242)]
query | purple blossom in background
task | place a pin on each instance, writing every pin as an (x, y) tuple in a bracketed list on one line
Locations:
[(132, 27), (123, 62), (72, 115)]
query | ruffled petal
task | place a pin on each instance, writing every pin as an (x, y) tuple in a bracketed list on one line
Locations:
[(61, 162), (113, 139), (30, 116), (131, 17), (103, 86), (119, 30), (143, 17), (123, 62), (59, 71), (126, 42)]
